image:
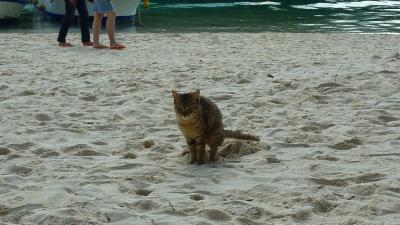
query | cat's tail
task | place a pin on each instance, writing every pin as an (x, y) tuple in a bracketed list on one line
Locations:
[(239, 135)]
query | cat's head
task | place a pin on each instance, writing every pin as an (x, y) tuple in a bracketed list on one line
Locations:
[(186, 104)]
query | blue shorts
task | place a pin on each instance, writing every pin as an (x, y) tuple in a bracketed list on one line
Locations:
[(103, 6)]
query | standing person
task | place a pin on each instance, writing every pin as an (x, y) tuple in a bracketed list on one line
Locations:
[(70, 6), (101, 7)]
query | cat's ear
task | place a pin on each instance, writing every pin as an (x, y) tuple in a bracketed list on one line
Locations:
[(196, 94), (175, 95)]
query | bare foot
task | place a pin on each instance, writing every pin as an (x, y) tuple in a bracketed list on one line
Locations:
[(117, 46), (64, 44), (88, 43), (99, 46)]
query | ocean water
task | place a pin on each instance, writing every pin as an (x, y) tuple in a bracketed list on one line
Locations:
[(238, 16)]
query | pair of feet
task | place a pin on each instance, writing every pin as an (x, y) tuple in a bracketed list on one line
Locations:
[(99, 46), (116, 46), (67, 44)]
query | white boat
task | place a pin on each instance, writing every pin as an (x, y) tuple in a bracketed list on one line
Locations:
[(10, 9), (126, 9)]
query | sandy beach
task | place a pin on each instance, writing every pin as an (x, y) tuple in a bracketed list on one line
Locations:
[(89, 137)]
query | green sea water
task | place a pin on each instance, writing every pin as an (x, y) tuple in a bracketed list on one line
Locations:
[(242, 16)]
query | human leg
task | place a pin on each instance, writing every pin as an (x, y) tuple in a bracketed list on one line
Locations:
[(84, 22), (96, 30), (111, 30), (66, 22)]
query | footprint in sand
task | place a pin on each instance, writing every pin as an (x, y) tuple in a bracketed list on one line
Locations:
[(342, 146), (4, 210), (20, 170), (244, 209), (347, 144), (4, 151), (243, 81), (328, 87), (89, 98), (126, 166), (143, 192), (148, 143), (286, 85), (11, 157), (363, 190), (320, 99), (369, 177), (27, 93), (87, 152), (396, 56), (387, 118), (329, 182), (51, 219), (216, 215), (316, 127), (278, 102), (204, 223), (197, 197), (130, 155), (272, 159), (101, 143), (293, 145), (23, 146), (146, 205), (302, 215), (75, 114), (327, 157), (394, 189), (247, 221), (81, 150), (223, 97), (45, 153), (42, 117), (387, 72), (3, 87), (75, 148), (365, 178), (321, 205)]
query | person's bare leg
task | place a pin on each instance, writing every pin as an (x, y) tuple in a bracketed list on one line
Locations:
[(96, 30), (111, 30)]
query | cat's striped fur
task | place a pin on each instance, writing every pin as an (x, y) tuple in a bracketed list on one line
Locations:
[(200, 121)]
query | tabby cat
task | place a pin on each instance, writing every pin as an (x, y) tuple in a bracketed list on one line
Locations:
[(200, 121)]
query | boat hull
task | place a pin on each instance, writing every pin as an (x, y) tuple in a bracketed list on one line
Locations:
[(11, 9), (126, 10)]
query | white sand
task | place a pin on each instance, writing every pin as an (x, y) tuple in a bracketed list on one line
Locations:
[(89, 136)]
